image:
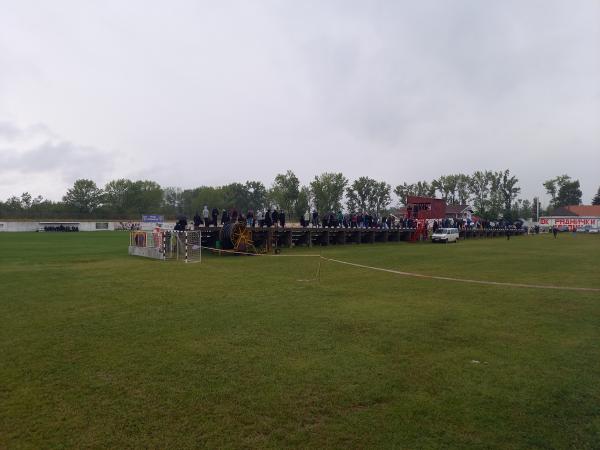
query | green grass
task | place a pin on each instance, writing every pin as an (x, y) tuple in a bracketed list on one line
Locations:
[(102, 350)]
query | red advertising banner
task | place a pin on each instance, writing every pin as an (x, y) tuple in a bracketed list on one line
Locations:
[(571, 222)]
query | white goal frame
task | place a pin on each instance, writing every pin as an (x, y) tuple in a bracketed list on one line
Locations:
[(167, 245)]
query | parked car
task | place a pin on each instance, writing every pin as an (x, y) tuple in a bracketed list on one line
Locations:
[(587, 229), (445, 235)]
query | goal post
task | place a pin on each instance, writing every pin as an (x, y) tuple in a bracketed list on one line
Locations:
[(167, 245)]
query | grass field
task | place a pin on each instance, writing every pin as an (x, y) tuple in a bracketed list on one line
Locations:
[(102, 350)]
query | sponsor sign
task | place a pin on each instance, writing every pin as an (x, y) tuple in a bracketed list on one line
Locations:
[(571, 222), (153, 218)]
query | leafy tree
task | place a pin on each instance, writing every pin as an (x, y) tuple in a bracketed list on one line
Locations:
[(380, 197), (26, 200), (403, 191), (446, 186), (525, 210), (569, 193), (508, 189), (596, 199), (84, 196), (420, 188), (126, 198), (257, 195), (327, 191), (454, 189), (14, 203), (173, 200), (235, 196), (39, 200), (193, 200), (424, 189), (285, 190), (117, 194), (303, 202), (479, 187), (496, 201), (147, 197), (563, 190), (360, 194), (463, 193), (553, 185)]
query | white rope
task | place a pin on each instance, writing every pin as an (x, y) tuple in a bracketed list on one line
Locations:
[(234, 252), (417, 275), (465, 280)]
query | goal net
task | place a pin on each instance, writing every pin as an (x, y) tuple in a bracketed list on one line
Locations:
[(166, 244)]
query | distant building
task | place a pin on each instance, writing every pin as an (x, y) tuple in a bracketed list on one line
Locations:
[(425, 207), (434, 208), (464, 212), (573, 216)]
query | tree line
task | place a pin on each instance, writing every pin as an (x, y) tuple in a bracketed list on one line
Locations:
[(492, 194)]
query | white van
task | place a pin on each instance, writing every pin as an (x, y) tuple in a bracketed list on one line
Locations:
[(445, 235)]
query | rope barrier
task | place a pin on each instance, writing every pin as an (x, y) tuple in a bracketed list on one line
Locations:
[(465, 280), (257, 254), (416, 275)]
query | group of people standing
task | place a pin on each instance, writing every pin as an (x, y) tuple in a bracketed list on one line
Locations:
[(273, 217), (261, 218), (349, 220)]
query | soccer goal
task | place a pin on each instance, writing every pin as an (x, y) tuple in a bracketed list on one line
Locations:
[(166, 244)]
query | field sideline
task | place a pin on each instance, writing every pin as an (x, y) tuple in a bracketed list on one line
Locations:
[(104, 350)]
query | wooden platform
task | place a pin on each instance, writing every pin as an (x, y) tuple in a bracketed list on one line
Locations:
[(290, 237)]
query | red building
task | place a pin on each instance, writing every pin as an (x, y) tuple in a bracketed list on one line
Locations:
[(425, 208)]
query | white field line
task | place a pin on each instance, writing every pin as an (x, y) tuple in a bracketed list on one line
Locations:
[(464, 280), (419, 275)]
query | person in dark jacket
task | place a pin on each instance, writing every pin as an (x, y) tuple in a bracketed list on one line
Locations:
[(224, 217), (181, 224), (275, 217), (197, 221), (215, 215), (282, 218), (315, 218), (268, 219)]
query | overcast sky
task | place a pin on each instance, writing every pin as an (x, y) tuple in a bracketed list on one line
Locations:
[(194, 93)]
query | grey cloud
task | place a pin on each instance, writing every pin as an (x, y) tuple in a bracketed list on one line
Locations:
[(34, 150), (65, 158), (417, 89), (11, 132)]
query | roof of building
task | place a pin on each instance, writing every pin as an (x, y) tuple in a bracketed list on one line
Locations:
[(577, 210), (457, 209), (562, 211), (420, 199)]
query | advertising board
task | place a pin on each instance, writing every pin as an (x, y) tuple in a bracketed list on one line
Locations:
[(153, 218), (571, 222)]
